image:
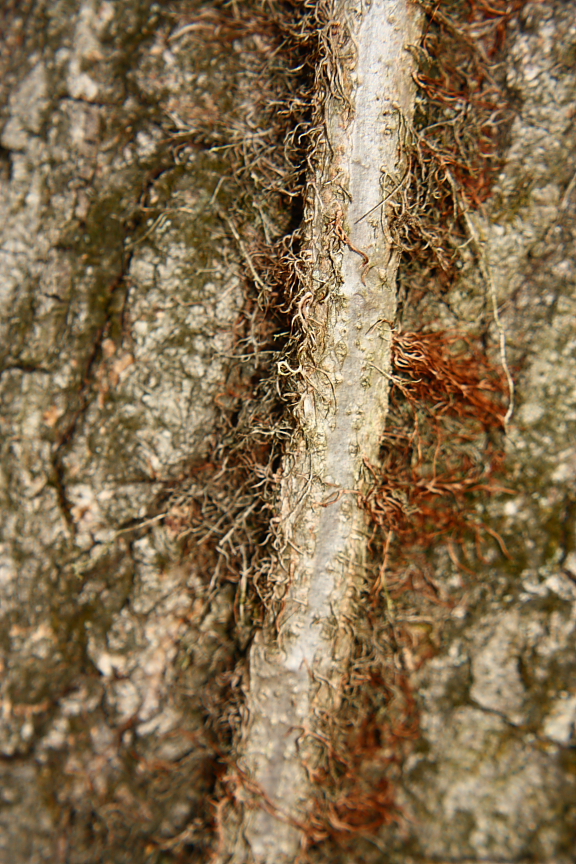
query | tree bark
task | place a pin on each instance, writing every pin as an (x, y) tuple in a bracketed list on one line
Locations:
[(119, 286), (132, 299), (492, 777)]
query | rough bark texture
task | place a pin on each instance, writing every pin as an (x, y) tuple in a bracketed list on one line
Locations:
[(117, 302), (492, 777), (120, 287)]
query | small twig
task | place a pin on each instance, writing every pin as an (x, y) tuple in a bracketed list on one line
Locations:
[(143, 524), (568, 191), (158, 223)]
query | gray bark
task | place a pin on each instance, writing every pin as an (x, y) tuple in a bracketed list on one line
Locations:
[(120, 290), (492, 776)]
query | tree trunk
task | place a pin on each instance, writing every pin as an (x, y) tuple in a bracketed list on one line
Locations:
[(120, 287), (288, 557)]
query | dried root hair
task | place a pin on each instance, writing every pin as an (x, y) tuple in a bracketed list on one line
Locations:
[(453, 149)]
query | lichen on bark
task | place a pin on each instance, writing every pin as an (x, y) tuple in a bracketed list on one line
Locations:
[(120, 288), (491, 776), (187, 290)]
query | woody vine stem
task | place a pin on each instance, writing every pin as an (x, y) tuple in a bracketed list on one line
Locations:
[(297, 662)]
